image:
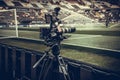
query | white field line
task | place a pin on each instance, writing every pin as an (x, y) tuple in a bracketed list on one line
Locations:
[(77, 37), (8, 37)]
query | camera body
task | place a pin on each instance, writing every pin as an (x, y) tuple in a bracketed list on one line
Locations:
[(51, 34)]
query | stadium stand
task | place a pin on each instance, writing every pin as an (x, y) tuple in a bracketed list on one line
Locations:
[(33, 11)]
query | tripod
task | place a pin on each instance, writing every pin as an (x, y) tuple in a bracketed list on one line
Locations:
[(52, 62)]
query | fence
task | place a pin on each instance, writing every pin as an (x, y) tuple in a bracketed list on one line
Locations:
[(17, 64)]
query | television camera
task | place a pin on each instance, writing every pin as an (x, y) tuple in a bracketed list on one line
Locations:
[(52, 37), (54, 34)]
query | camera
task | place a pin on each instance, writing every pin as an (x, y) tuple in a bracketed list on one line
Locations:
[(54, 33), (51, 60)]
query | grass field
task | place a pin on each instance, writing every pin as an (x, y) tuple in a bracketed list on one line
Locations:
[(97, 59)]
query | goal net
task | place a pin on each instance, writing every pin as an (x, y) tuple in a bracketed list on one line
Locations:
[(8, 24)]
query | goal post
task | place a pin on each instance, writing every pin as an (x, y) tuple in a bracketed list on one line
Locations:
[(8, 23)]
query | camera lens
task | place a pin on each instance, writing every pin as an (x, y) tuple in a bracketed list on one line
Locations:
[(68, 30)]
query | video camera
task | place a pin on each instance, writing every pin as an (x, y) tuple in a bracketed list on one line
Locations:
[(53, 34), (51, 61)]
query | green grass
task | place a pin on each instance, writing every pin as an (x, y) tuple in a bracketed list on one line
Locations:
[(100, 60)]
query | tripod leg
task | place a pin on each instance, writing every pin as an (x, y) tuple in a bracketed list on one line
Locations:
[(48, 66), (45, 69), (63, 69), (42, 69), (37, 63)]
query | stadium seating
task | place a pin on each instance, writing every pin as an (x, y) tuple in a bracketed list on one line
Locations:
[(32, 10)]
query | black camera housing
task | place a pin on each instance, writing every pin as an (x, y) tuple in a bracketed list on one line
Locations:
[(51, 34)]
